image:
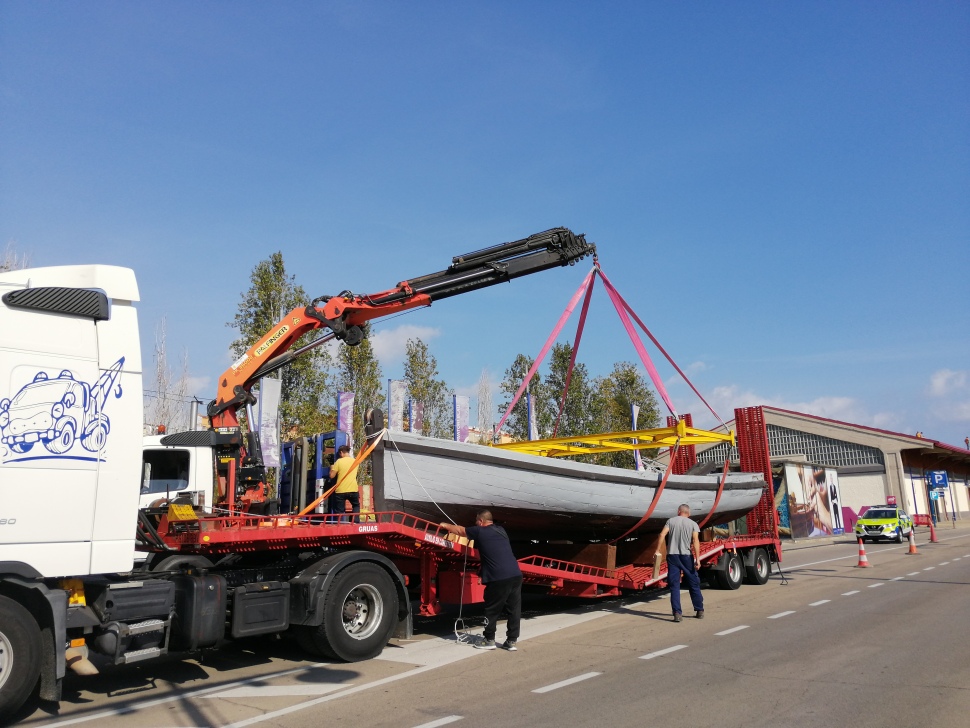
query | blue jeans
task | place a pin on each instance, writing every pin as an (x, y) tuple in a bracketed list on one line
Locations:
[(677, 564)]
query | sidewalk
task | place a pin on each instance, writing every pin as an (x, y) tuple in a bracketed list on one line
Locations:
[(922, 536)]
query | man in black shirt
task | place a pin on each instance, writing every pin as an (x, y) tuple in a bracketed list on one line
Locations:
[(500, 575)]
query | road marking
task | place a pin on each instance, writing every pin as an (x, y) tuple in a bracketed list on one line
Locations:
[(820, 603), (929, 568), (957, 558), (943, 563), (849, 594), (440, 721), (134, 707), (279, 691), (660, 653), (912, 573), (873, 586), (781, 614), (565, 683), (897, 578), (729, 631)]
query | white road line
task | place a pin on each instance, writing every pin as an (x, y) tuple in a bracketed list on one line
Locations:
[(897, 578), (820, 603), (929, 568), (781, 614), (660, 653), (440, 721), (912, 573), (565, 683), (957, 558), (849, 594), (280, 691), (943, 563), (873, 586), (729, 631), (134, 707)]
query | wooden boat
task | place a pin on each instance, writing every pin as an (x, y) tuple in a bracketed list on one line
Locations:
[(540, 498)]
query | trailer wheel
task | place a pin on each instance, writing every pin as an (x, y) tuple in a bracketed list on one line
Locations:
[(20, 649), (760, 570), (732, 575), (359, 614)]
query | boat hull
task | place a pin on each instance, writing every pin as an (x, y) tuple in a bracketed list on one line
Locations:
[(537, 498)]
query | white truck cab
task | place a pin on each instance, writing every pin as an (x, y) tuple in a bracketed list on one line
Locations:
[(184, 472)]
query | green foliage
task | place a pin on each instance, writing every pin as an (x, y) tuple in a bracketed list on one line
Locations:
[(421, 375), (613, 397), (518, 422), (307, 400), (595, 405), (359, 371)]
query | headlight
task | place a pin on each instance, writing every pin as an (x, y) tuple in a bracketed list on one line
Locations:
[(57, 411)]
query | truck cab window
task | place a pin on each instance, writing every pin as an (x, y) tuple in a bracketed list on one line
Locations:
[(165, 471)]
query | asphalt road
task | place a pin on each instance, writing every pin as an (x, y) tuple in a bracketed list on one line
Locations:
[(835, 644)]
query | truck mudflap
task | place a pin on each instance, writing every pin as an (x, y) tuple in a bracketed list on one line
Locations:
[(53, 633), (309, 586)]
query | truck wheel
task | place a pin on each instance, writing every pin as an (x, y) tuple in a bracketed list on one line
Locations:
[(21, 447), (20, 648), (63, 442), (359, 614), (760, 570), (95, 434), (733, 573), (179, 561)]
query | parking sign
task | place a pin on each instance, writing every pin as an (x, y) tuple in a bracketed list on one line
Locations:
[(937, 480)]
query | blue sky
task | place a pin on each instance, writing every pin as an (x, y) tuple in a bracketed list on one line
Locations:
[(781, 190)]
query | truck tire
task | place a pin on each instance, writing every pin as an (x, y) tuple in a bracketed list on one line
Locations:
[(359, 615), (179, 561), (732, 575), (64, 441), (760, 569), (20, 651)]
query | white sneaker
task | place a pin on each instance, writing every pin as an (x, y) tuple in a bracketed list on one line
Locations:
[(509, 645)]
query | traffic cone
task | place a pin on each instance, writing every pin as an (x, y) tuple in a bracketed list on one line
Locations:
[(933, 538), (912, 542), (863, 561)]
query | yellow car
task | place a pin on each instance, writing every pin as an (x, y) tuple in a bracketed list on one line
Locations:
[(888, 522)]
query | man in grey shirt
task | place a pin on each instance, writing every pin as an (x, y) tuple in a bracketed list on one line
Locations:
[(683, 541)]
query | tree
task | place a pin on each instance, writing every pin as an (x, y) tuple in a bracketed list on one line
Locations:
[(307, 401), (166, 403), (421, 375), (360, 372), (613, 397), (577, 416), (486, 410), (518, 422), (10, 259)]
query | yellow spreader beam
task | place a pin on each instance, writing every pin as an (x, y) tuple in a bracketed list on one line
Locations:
[(616, 441)]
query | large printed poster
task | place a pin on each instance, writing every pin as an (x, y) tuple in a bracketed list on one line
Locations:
[(814, 501)]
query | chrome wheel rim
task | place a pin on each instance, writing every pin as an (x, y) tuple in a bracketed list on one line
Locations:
[(6, 659), (362, 611)]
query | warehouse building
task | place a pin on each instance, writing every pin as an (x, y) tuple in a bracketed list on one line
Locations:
[(873, 466)]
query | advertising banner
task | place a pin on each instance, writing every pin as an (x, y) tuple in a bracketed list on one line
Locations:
[(809, 500), (345, 415), (416, 416), (396, 391), (462, 408), (269, 421)]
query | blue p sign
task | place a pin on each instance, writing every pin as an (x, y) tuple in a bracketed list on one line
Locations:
[(937, 480)]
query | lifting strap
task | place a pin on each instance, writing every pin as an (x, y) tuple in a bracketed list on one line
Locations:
[(656, 495), (587, 281), (572, 357), (626, 306), (720, 490)]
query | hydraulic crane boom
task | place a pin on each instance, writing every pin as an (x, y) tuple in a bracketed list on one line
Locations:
[(345, 314)]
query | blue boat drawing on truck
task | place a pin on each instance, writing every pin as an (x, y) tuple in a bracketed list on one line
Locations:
[(58, 412)]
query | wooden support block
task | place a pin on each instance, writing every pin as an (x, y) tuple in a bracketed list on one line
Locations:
[(641, 550), (601, 555)]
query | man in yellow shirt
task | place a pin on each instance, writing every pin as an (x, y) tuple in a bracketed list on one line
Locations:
[(345, 472)]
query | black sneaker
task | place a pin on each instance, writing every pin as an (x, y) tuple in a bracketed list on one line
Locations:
[(677, 617), (700, 614), (509, 645), (485, 645)]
